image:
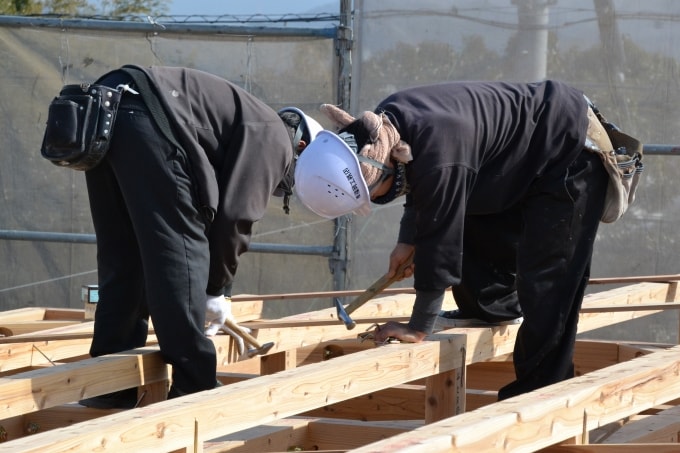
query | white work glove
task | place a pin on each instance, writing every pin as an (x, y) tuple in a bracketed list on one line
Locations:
[(218, 310)]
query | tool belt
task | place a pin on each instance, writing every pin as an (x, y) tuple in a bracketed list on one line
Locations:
[(80, 125), (622, 158)]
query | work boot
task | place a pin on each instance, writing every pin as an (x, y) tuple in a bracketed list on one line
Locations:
[(122, 399), (176, 392), (455, 318)]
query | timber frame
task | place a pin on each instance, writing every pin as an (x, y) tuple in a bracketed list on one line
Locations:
[(322, 389)]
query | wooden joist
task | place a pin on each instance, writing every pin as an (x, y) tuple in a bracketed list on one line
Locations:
[(172, 424), (318, 366), (309, 434), (48, 387), (550, 415)]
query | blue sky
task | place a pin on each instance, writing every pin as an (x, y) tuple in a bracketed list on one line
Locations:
[(240, 7)]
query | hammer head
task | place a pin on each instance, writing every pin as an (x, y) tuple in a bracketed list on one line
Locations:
[(343, 315), (262, 350)]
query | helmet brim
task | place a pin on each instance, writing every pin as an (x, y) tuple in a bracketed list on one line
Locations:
[(312, 125)]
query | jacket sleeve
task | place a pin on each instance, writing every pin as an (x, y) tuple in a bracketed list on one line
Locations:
[(439, 198), (258, 155)]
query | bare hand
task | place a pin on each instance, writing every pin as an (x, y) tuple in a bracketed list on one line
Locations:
[(399, 331), (400, 254)]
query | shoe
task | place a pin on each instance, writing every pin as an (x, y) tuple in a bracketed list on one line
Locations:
[(454, 318), (122, 399), (175, 392)]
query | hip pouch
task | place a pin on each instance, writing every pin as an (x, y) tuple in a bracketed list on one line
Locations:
[(79, 125), (622, 158)]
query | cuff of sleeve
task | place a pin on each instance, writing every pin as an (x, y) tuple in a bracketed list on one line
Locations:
[(425, 310), (214, 290)]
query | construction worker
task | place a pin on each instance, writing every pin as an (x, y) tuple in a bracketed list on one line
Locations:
[(193, 162), (505, 187)]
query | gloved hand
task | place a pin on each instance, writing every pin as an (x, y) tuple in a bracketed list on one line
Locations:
[(217, 310)]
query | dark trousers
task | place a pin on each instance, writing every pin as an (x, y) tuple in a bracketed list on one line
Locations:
[(152, 251), (534, 260)]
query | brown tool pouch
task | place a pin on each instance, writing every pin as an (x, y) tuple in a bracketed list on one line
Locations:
[(79, 125), (622, 158)]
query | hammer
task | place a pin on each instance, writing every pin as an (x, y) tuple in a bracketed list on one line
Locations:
[(257, 348), (373, 290)]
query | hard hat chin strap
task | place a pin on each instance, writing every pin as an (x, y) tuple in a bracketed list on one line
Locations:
[(399, 185), (386, 171)]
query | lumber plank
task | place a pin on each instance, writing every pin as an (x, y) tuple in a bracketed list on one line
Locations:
[(552, 414), (62, 415), (14, 356), (308, 433), (615, 448), (23, 327), (473, 345), (668, 278), (639, 294), (593, 355), (400, 402), (394, 305), (330, 349), (85, 328), (287, 323), (288, 432), (23, 314), (35, 390), (316, 294), (444, 395), (660, 428), (489, 375), (169, 425), (343, 435), (75, 314)]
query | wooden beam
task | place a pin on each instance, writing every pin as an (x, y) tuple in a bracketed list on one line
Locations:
[(314, 295), (347, 434), (368, 371), (20, 355), (23, 314), (400, 402), (638, 307), (169, 425), (308, 434), (640, 294), (668, 278), (31, 391), (552, 414), (22, 327), (615, 448), (659, 428)]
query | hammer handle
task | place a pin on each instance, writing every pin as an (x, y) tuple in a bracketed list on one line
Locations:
[(379, 285), (246, 336)]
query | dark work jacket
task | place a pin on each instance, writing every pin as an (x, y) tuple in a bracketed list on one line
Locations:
[(478, 147), (239, 150)]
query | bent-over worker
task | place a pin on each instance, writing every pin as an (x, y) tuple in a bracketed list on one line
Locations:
[(505, 186), (173, 205)]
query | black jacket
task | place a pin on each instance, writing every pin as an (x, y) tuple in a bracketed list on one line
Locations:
[(477, 148), (239, 150)]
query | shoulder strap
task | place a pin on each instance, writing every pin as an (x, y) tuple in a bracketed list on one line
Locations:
[(151, 100)]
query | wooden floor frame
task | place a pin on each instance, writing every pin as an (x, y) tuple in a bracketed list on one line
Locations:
[(321, 389)]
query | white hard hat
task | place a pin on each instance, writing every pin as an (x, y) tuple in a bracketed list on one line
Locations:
[(310, 123), (328, 178)]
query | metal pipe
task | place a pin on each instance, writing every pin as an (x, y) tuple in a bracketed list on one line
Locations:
[(661, 150), (339, 263), (153, 26), (82, 238)]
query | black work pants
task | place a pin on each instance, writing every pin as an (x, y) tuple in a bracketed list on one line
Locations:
[(152, 250), (534, 260)]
